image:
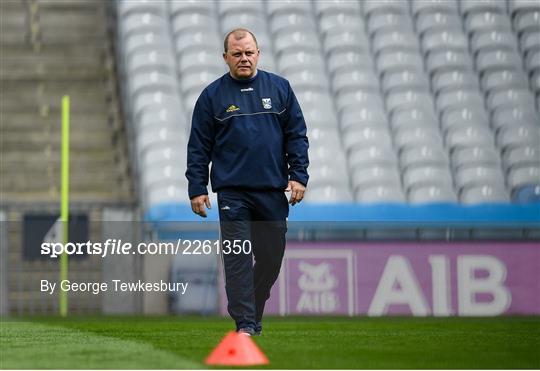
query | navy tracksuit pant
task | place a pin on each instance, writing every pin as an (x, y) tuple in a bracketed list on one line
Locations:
[(260, 217)]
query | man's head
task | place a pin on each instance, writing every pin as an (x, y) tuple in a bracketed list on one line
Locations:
[(241, 53)]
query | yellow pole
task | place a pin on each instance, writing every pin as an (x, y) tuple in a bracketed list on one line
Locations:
[(64, 206)]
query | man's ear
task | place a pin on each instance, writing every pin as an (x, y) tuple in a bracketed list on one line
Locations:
[(225, 57)]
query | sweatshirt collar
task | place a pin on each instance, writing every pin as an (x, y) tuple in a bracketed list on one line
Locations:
[(245, 81)]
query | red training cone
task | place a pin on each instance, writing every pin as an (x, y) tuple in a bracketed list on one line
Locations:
[(236, 350)]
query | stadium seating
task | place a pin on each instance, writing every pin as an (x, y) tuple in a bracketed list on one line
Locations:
[(406, 101)]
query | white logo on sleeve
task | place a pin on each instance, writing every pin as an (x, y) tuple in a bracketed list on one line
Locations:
[(267, 103)]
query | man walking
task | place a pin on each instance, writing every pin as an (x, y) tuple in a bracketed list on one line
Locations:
[(249, 125)]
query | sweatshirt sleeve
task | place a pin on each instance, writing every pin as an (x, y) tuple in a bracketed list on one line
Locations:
[(200, 144), (296, 141)]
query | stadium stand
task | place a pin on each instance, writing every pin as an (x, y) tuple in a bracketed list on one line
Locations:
[(419, 112), (50, 49), (435, 84)]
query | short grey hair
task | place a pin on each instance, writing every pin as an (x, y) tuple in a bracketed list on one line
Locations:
[(238, 33)]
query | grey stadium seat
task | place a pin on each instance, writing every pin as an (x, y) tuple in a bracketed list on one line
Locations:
[(380, 194), (521, 176), (327, 174), (141, 23), (288, 6), (454, 80), (510, 116), (348, 59), (152, 81), (497, 59), (405, 80), (329, 194), (432, 6), (314, 99), (426, 176), (432, 194), (338, 40), (126, 7), (475, 156), (448, 60), (201, 39), (300, 60), (183, 22), (424, 155), (528, 41), (527, 21), (307, 79), (238, 6), (365, 177), (370, 7), (398, 61), (461, 98), (319, 117), (444, 40), (255, 22), (484, 194), (389, 21), (361, 137), (522, 156), (165, 193), (471, 116), (158, 137), (288, 22), (337, 6), (151, 59), (409, 98), (197, 60), (510, 97), (154, 100), (147, 41), (412, 137), (468, 7), (437, 21), (504, 79), (355, 79), (171, 116), (498, 40), (198, 80), (295, 41), (363, 116), (532, 62), (164, 154), (394, 40), (413, 117), (518, 6), (372, 155), (478, 175), (469, 136), (487, 21), (163, 173), (517, 136), (332, 21), (358, 99), (191, 7)]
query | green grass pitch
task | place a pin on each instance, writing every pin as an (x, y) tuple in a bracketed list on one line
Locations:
[(290, 342)]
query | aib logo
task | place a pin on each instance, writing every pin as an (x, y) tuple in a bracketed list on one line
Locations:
[(317, 284)]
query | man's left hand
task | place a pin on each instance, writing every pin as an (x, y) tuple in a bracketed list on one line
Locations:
[(297, 192)]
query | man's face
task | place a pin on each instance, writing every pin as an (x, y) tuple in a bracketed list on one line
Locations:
[(242, 57)]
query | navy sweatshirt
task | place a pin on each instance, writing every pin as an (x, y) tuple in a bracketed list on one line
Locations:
[(252, 131)]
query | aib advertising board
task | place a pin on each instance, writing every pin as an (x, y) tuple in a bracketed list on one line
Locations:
[(419, 279)]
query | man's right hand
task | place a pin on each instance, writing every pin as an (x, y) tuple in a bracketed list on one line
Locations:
[(198, 203)]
